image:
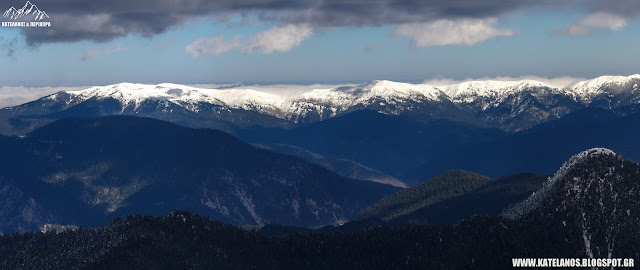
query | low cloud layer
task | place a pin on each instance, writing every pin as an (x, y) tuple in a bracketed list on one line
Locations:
[(451, 32), (557, 81), (278, 39), (283, 90), (594, 22), (16, 95)]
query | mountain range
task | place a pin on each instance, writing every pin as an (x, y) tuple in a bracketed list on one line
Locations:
[(586, 210), (507, 105), (87, 171), (409, 132)]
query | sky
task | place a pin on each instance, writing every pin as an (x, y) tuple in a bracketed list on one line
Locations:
[(313, 41)]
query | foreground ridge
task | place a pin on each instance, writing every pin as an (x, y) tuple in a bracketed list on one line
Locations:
[(590, 212), (535, 200)]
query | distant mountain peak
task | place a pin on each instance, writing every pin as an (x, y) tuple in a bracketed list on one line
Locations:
[(389, 89), (469, 91), (588, 154), (588, 89), (599, 81)]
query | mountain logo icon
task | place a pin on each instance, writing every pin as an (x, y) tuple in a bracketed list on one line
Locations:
[(26, 11)]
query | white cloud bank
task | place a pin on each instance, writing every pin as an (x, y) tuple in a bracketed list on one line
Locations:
[(278, 39), (593, 23), (283, 90), (16, 95), (451, 32), (92, 53), (561, 82)]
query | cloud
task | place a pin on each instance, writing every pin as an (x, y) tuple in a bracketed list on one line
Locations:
[(370, 47), (336, 13), (92, 53), (625, 8), (164, 45), (278, 39), (16, 95), (212, 46), (118, 48), (451, 32), (102, 21), (594, 22), (283, 90), (564, 81)]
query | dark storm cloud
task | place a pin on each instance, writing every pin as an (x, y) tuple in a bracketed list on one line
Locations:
[(627, 8), (101, 21), (99, 27), (363, 13)]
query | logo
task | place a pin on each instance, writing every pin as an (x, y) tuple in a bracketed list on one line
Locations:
[(28, 16)]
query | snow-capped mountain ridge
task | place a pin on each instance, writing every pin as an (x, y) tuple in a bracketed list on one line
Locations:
[(134, 94), (239, 97), (380, 93), (508, 105), (589, 89), (491, 87), (334, 99)]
